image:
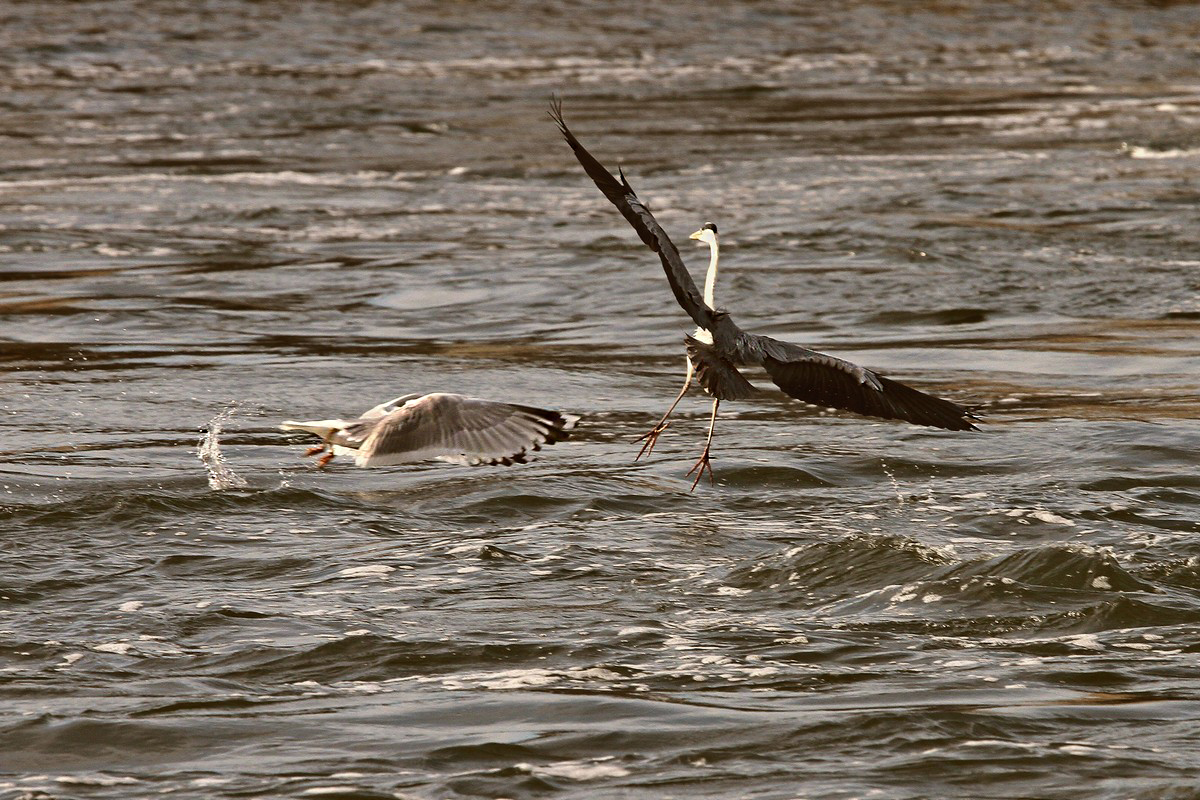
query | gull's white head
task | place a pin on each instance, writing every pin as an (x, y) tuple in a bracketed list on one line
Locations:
[(707, 234)]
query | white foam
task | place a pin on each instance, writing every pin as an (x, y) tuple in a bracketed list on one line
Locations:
[(130, 606), (1088, 641), (520, 678), (370, 570), (801, 639), (1137, 151), (1053, 519), (320, 790), (636, 629), (1000, 743), (760, 672), (599, 673), (96, 780), (577, 770), (120, 648)]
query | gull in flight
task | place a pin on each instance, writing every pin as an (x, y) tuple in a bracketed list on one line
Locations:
[(442, 426)]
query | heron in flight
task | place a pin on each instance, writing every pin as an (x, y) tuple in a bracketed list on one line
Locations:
[(718, 346), (442, 426)]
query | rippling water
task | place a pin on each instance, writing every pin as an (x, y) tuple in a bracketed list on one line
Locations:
[(287, 210)]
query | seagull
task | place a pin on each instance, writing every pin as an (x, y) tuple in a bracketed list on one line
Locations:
[(718, 346), (440, 425)]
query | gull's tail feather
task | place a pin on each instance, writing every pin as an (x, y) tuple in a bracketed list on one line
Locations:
[(325, 428)]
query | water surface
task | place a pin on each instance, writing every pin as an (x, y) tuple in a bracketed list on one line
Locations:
[(230, 214)]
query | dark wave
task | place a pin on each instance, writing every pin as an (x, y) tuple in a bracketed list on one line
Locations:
[(1046, 589), (1058, 568), (847, 566), (369, 657), (946, 316), (310, 208)]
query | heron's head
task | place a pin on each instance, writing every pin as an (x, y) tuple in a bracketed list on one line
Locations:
[(707, 234)]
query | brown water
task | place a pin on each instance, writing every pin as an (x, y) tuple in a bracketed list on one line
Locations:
[(279, 211)]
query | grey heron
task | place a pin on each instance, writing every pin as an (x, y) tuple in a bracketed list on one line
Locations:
[(718, 346), (440, 425)]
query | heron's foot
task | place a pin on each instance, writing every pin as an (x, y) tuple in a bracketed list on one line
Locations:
[(312, 451), (702, 463), (325, 459), (650, 440)]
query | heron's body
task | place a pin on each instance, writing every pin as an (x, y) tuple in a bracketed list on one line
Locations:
[(442, 426), (718, 346)]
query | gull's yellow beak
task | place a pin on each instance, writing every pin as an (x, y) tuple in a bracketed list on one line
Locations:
[(698, 234)]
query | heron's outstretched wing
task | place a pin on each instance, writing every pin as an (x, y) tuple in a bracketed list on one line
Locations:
[(464, 430), (621, 195), (715, 373), (831, 382)]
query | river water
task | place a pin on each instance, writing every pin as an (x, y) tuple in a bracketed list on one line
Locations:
[(220, 215)]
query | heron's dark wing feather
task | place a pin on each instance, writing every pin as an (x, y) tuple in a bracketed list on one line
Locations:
[(621, 195), (715, 373), (834, 383)]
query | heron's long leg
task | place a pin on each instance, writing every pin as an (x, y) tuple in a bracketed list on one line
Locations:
[(703, 462), (651, 438)]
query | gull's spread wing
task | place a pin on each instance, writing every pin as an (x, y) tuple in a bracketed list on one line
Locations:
[(452, 427)]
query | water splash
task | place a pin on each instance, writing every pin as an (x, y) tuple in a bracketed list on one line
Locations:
[(895, 483), (220, 476)]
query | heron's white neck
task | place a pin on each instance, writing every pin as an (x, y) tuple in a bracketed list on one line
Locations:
[(710, 282)]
